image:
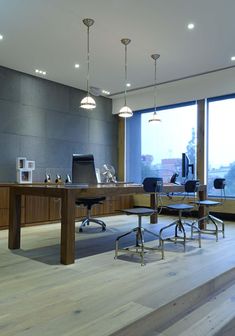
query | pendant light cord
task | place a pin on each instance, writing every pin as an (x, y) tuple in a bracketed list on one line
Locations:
[(88, 61), (125, 73), (155, 86)]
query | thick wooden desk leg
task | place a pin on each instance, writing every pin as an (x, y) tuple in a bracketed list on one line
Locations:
[(202, 210), (67, 252), (153, 218), (14, 220)]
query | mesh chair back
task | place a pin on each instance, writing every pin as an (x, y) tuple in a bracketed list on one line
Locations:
[(191, 186), (153, 184)]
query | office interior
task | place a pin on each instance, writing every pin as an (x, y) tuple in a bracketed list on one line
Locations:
[(41, 120)]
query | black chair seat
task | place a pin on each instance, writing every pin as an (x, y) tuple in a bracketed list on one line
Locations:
[(139, 211), (89, 201), (180, 206), (208, 203)]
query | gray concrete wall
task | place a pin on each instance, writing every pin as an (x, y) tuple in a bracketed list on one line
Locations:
[(42, 120)]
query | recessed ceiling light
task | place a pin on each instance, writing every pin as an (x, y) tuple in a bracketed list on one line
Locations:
[(191, 26), (233, 58), (76, 65), (128, 84), (106, 92), (1, 37), (40, 72)]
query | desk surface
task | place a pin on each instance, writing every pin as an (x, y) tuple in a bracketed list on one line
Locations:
[(76, 190), (103, 188)]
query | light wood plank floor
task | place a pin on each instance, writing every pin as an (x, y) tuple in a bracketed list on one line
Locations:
[(98, 295)]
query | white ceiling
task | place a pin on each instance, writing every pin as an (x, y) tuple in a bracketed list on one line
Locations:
[(50, 35)]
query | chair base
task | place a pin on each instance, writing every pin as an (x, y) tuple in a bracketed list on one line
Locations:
[(179, 227), (139, 248), (209, 219), (86, 221)]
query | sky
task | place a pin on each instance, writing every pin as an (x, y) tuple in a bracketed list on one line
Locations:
[(222, 133), (168, 139)]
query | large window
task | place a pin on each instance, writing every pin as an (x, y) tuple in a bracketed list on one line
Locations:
[(155, 149), (221, 142)]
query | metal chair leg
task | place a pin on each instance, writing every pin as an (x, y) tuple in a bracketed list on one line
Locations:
[(139, 243), (117, 242)]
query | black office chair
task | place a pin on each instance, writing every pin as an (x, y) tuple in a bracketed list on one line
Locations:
[(83, 172), (191, 186), (219, 183), (150, 185)]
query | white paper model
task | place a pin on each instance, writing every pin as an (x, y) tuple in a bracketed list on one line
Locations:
[(24, 176), (24, 170), (30, 165), (21, 163)]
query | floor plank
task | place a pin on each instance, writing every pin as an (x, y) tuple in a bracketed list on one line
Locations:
[(98, 295)]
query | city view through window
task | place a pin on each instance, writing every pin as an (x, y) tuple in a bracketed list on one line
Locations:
[(162, 144), (155, 149)]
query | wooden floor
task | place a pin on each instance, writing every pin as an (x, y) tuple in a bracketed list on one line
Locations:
[(98, 295)]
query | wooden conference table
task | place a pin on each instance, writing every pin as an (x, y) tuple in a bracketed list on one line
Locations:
[(68, 194)]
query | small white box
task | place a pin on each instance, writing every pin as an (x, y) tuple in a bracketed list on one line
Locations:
[(21, 163), (30, 165), (24, 176)]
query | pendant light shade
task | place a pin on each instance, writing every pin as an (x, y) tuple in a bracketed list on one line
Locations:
[(88, 102), (155, 116), (125, 111)]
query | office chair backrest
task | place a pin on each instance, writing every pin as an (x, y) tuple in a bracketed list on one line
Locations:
[(83, 169), (191, 186), (153, 184), (219, 183)]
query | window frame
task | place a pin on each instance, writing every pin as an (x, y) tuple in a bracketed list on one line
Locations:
[(208, 101)]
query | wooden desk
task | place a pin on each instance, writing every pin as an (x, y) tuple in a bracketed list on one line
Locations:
[(68, 195)]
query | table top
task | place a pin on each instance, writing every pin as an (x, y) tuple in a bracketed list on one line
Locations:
[(83, 190), (58, 190)]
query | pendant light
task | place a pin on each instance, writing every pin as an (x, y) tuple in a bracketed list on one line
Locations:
[(155, 116), (125, 111), (88, 102)]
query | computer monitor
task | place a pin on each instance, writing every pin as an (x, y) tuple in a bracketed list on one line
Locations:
[(83, 169), (186, 165)]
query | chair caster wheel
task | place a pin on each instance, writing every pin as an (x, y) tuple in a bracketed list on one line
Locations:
[(80, 230), (103, 228)]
